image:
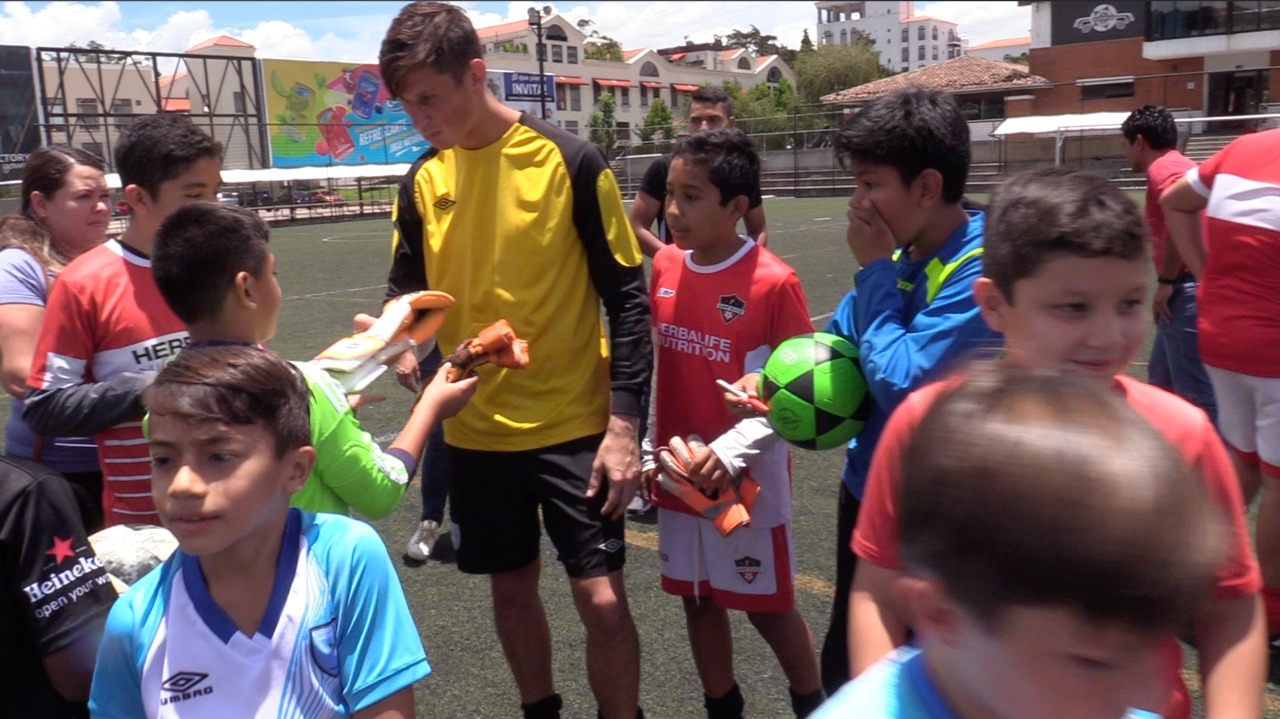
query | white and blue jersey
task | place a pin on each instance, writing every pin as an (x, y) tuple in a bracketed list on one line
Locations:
[(899, 687), (337, 635)]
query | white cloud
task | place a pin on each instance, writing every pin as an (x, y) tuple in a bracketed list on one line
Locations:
[(982, 21), (60, 24)]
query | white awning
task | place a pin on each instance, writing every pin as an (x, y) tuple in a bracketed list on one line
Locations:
[(292, 174), (1089, 123)]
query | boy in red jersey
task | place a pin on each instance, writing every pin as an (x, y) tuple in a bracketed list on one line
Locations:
[(720, 305), (107, 331), (1066, 280)]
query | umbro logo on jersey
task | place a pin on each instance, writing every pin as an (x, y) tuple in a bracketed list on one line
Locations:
[(731, 307), (666, 292), (183, 686), (611, 546), (748, 568), (444, 203)]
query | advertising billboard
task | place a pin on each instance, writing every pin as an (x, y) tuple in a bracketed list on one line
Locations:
[(19, 124), (519, 90), (332, 113)]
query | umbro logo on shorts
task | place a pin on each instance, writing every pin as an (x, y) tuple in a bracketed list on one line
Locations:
[(444, 203), (611, 546)]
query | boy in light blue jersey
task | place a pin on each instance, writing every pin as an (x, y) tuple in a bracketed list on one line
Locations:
[(264, 610), (1043, 577)]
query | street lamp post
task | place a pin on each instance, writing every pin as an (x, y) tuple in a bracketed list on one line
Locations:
[(535, 19)]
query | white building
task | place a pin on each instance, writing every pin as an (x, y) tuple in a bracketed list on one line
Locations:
[(635, 80), (905, 41)]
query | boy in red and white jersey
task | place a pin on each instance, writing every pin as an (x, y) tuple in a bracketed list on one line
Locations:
[(720, 305)]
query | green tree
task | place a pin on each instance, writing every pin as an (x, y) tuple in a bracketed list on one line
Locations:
[(658, 119), (610, 49), (806, 45), (1022, 59), (602, 124), (836, 67)]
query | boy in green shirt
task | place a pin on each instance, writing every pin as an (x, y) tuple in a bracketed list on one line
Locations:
[(215, 271)]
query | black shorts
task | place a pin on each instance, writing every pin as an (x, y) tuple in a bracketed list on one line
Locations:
[(495, 498)]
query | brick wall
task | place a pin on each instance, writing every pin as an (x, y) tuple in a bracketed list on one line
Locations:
[(1065, 64)]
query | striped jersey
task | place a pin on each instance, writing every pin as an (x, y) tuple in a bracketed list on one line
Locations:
[(336, 638), (105, 318), (1238, 324)]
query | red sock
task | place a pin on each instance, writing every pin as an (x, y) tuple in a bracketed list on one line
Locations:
[(1271, 601)]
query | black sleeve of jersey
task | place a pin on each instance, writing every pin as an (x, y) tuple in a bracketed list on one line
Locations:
[(63, 590), (622, 288), (86, 408), (654, 183), (408, 272)]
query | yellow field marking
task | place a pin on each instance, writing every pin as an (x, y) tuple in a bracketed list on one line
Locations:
[(804, 582)]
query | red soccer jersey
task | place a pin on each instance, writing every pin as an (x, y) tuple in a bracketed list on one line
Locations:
[(720, 322), (1238, 324), (1161, 174), (1186, 428), (105, 316)]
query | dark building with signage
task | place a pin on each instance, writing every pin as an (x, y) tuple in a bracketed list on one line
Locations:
[(1213, 58), (19, 125)]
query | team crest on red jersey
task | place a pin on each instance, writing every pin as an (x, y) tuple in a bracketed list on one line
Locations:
[(731, 307), (748, 568)]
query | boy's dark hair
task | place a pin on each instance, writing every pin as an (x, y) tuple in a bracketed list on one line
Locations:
[(434, 35), (910, 130), (1153, 124), (157, 148), (1025, 487), (729, 158), (712, 95), (1041, 214), (235, 385), (198, 251)]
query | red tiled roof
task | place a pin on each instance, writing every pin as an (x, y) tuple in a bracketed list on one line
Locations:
[(628, 54), (1002, 42), (962, 74), (730, 54), (175, 104), (762, 60), (166, 80), (503, 29), (219, 41)]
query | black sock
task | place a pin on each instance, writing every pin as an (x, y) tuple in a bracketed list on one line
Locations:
[(639, 713), (805, 704), (547, 707), (729, 706)]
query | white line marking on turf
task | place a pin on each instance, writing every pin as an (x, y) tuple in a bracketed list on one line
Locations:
[(823, 316), (821, 219), (333, 292), (352, 238)]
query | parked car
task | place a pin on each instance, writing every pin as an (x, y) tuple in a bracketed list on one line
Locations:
[(120, 209), (294, 198), (260, 198), (325, 197), (228, 198)]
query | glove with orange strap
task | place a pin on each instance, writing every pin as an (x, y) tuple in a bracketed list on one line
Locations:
[(729, 510), (407, 321), (496, 344)]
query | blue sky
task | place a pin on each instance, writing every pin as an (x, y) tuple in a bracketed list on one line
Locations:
[(352, 30)]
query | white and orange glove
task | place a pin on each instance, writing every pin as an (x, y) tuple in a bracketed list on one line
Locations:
[(406, 321)]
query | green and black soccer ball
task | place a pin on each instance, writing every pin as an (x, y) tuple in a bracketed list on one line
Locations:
[(815, 390)]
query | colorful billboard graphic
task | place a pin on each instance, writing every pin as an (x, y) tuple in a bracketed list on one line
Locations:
[(331, 113), (19, 128)]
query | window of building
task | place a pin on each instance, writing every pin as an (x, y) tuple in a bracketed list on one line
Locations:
[(626, 97), (920, 33), (595, 94), (88, 109), (648, 70), (237, 102), (572, 53), (935, 32), (982, 107), (920, 54), (906, 54), (624, 133), (744, 63), (575, 98), (906, 33), (1107, 90), (844, 37), (1171, 19), (774, 75), (935, 52), (827, 37), (571, 126), (562, 98), (94, 148), (555, 32), (1254, 16), (557, 53)]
